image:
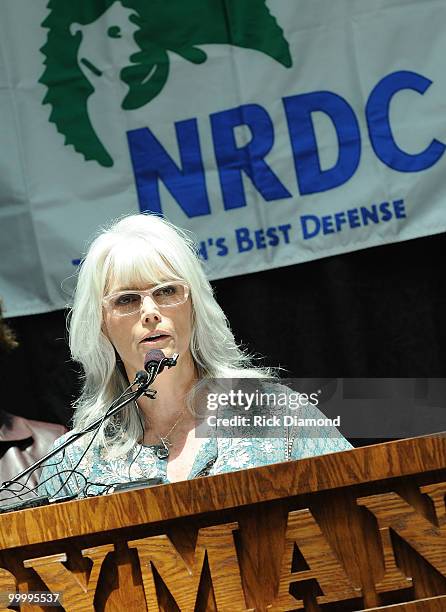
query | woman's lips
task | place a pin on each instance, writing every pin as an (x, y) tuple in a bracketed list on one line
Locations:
[(155, 340)]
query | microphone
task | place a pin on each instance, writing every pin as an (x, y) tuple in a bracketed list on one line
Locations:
[(155, 361)]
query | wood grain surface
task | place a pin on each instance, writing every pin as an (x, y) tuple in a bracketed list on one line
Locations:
[(360, 530)]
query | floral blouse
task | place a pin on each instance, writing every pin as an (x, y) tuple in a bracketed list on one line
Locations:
[(70, 472)]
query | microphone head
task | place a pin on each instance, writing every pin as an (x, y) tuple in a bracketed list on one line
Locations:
[(153, 357), (141, 377)]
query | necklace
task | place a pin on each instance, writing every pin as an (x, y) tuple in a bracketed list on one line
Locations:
[(163, 450)]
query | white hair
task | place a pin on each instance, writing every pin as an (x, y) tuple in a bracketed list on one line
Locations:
[(143, 249)]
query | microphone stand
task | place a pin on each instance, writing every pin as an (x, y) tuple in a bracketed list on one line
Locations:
[(144, 381)]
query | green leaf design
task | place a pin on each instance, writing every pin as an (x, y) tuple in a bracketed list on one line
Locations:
[(177, 26)]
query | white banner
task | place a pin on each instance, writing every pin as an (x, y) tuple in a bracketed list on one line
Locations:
[(276, 131)]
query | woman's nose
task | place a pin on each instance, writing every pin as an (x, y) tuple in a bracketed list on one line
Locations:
[(149, 310)]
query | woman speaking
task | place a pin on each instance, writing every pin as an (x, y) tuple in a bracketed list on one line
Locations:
[(142, 287)]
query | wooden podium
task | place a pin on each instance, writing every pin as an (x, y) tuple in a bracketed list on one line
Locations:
[(361, 529)]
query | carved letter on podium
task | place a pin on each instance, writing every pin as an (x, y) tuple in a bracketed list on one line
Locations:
[(303, 531), (182, 580), (59, 579), (428, 540), (7, 585), (437, 493)]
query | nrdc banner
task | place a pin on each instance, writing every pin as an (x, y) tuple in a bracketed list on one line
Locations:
[(276, 131)]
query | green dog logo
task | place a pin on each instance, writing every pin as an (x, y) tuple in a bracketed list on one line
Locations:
[(141, 32)]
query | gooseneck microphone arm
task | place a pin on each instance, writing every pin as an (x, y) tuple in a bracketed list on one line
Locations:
[(154, 363), (142, 378)]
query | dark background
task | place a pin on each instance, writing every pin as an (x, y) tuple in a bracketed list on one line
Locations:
[(379, 312)]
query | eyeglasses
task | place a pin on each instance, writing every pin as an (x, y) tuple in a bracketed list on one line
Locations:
[(125, 303)]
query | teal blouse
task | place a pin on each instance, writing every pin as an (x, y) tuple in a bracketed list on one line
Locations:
[(95, 472)]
